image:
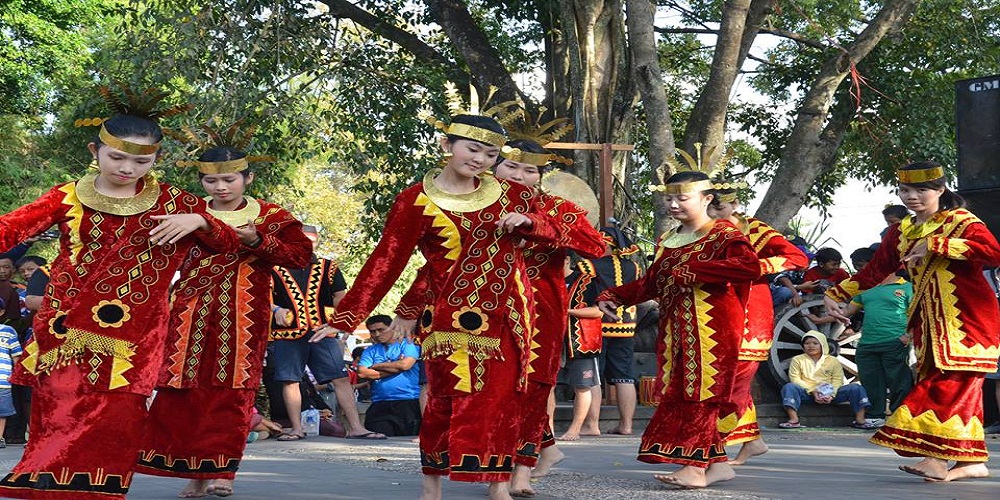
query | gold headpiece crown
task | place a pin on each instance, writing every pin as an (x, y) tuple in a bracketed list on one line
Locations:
[(208, 136), (456, 107), (521, 125), (919, 176), (143, 104), (701, 162)]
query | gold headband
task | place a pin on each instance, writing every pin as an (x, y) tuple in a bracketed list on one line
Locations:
[(727, 197), (520, 156), (222, 167), (477, 134), (919, 176), (126, 146), (683, 187)]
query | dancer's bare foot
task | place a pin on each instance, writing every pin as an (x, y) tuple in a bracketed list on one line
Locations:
[(196, 488), (687, 477), (750, 449), (719, 472), (520, 482), (964, 470), (618, 429), (932, 468), (499, 491), (431, 488), (569, 436), (546, 460), (221, 488)]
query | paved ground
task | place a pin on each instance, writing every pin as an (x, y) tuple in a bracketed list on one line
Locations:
[(808, 463)]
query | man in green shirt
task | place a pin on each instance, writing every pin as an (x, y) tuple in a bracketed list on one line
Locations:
[(883, 353)]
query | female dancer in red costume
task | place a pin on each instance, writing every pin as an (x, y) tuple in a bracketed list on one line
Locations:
[(524, 162), (701, 278), (953, 319), (101, 330), (776, 254), (478, 320), (219, 326)]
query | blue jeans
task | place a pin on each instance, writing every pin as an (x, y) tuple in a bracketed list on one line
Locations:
[(780, 295), (794, 396)]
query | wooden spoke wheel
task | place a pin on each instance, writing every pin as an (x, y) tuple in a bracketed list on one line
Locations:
[(791, 324)]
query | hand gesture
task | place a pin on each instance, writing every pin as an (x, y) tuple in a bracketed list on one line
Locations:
[(918, 252), (248, 234), (833, 309), (509, 222), (282, 316), (402, 328), (610, 309), (323, 332), (174, 227)]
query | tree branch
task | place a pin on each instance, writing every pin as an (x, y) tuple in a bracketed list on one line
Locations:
[(485, 66), (779, 33), (411, 43)]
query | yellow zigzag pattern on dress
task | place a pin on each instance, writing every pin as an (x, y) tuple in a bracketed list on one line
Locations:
[(447, 229), (705, 334), (75, 214), (929, 424), (461, 359)]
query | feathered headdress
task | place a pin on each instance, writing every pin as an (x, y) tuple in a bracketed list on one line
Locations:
[(237, 135), (457, 107), (521, 125), (127, 101), (699, 163)]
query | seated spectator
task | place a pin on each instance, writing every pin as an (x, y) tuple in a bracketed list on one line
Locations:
[(883, 354), (861, 257), (893, 214), (816, 377), (825, 274), (10, 350), (390, 364)]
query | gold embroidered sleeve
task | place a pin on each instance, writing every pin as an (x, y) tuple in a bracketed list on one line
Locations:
[(952, 248)]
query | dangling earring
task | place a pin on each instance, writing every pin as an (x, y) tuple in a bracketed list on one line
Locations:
[(445, 157), (94, 166)]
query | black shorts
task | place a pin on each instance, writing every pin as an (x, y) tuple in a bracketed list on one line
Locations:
[(582, 373), (617, 355), (394, 418)]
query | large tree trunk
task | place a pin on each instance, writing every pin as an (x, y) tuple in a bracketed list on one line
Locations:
[(598, 69), (801, 161), (707, 124), (649, 80)]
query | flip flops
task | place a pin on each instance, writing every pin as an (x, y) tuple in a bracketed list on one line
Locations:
[(789, 425), (291, 436)]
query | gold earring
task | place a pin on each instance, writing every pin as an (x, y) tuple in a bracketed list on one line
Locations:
[(448, 154), (444, 158), (94, 165)]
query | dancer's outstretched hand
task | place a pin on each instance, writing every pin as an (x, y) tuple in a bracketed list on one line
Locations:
[(323, 332), (174, 227), (610, 309)]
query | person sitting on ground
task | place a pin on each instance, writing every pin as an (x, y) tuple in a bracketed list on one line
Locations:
[(391, 365), (816, 377), (825, 274)]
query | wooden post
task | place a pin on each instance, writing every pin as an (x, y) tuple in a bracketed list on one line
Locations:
[(606, 176)]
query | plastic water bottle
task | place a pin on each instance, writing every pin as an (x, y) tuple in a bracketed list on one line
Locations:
[(310, 421)]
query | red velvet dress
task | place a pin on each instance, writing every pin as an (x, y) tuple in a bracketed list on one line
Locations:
[(99, 335), (955, 324), (219, 327), (701, 282), (478, 320), (545, 270), (776, 254)]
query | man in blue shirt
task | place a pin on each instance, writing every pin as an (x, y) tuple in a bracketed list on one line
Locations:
[(391, 365)]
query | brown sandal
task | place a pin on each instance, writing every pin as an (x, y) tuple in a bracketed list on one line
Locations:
[(291, 436)]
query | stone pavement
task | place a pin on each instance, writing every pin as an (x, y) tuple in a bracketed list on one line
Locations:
[(802, 464)]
